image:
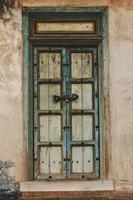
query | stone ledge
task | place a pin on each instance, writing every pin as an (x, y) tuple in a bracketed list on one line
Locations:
[(66, 186)]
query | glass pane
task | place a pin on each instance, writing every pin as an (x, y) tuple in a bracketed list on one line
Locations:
[(47, 91), (82, 127), (84, 91), (50, 128), (81, 65), (49, 65)]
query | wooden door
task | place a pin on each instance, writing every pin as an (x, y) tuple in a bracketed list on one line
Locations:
[(66, 136)]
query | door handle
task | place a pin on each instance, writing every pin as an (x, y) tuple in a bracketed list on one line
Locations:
[(65, 98)]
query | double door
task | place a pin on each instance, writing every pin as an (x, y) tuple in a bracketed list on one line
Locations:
[(66, 127)]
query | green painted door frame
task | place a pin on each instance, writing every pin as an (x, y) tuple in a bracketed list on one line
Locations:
[(101, 40)]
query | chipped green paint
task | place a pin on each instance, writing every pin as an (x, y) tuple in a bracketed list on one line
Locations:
[(27, 99)]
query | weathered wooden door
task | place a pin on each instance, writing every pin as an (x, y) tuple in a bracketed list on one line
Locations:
[(66, 127)]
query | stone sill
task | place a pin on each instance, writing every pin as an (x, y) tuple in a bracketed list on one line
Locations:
[(66, 186)]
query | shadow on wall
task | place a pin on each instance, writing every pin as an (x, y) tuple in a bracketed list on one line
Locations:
[(9, 188)]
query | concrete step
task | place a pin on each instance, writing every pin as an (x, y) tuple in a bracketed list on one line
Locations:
[(97, 195), (73, 190)]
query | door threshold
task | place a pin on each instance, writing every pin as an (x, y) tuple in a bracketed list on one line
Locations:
[(66, 186)]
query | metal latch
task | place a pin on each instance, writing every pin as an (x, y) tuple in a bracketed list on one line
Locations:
[(66, 159), (65, 98)]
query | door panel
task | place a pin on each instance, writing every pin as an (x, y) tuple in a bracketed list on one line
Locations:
[(47, 91), (84, 114), (82, 127), (88, 159), (50, 128), (50, 160), (84, 92), (81, 65), (82, 160), (49, 135), (66, 125), (49, 65)]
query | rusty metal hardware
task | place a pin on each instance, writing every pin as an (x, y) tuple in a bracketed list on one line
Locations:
[(66, 159), (66, 127), (65, 98)]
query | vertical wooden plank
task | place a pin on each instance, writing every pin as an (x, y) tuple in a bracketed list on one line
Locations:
[(84, 91), (104, 109), (43, 65), (27, 99), (35, 120), (47, 91), (44, 160), (50, 160), (87, 96), (49, 65), (55, 160), (55, 128), (50, 128), (86, 65), (88, 159), (82, 127), (77, 160), (54, 89), (44, 128), (65, 109), (77, 127), (76, 88), (44, 100), (54, 65), (87, 127), (76, 65), (81, 65)]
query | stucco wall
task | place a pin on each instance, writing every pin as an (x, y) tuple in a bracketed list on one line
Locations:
[(11, 130), (121, 95), (120, 86)]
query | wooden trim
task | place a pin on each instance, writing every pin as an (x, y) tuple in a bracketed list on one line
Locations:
[(103, 78), (27, 103), (63, 23)]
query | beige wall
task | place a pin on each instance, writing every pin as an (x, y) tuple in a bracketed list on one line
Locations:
[(120, 86), (11, 130), (121, 91)]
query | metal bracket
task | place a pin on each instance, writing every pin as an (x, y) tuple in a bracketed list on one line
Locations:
[(65, 98), (66, 159)]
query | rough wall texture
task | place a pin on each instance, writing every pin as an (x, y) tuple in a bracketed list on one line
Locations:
[(121, 96), (11, 131), (121, 85)]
